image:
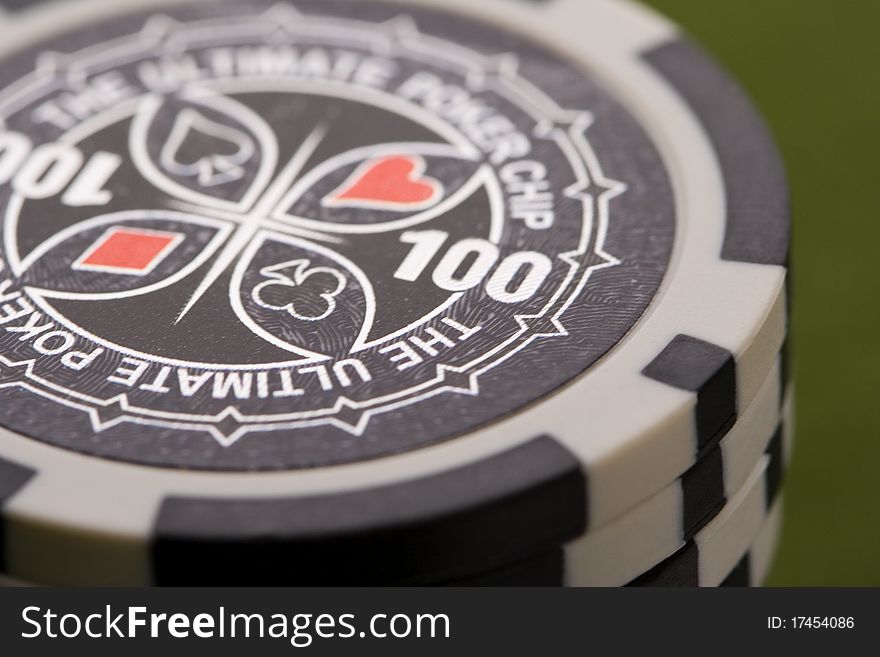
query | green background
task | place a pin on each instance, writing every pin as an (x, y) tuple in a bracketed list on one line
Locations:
[(813, 67)]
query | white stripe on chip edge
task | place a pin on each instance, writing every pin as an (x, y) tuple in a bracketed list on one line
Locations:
[(763, 552), (726, 539), (628, 456), (617, 553)]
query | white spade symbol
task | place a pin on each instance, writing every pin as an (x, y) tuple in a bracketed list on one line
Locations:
[(202, 148)]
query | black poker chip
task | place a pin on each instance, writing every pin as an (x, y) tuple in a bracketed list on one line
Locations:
[(371, 292)]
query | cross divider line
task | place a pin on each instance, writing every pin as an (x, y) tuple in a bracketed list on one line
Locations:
[(278, 225), (257, 217)]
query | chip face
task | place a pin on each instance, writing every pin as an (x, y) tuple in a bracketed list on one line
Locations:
[(246, 236)]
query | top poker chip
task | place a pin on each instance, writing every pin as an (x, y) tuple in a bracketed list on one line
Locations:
[(365, 291)]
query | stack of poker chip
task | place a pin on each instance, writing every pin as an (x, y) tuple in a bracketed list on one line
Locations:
[(356, 292)]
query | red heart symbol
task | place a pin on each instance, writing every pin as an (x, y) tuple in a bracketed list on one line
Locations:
[(389, 183)]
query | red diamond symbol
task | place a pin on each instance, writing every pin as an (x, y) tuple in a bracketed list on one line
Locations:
[(131, 251)]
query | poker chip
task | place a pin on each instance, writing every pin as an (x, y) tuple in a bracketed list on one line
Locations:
[(673, 534), (656, 529), (548, 570), (705, 560), (366, 292), (718, 550)]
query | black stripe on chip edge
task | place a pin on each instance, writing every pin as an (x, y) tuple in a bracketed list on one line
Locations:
[(758, 203), (703, 485), (707, 370), (472, 519), (13, 477), (741, 575), (682, 569), (703, 493)]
